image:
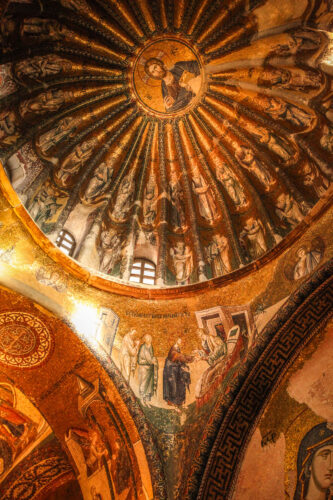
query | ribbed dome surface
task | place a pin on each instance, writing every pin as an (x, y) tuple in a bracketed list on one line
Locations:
[(193, 134)]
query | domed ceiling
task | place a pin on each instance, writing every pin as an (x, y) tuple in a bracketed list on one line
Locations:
[(194, 134)]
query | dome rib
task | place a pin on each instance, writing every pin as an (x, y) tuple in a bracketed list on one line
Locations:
[(195, 134)]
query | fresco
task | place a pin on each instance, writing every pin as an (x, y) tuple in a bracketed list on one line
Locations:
[(32, 462), (197, 141), (295, 436), (25, 341), (193, 366), (314, 469), (196, 147), (178, 384), (45, 473), (219, 330), (306, 260), (297, 265)]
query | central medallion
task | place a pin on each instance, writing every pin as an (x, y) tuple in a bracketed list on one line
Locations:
[(167, 76)]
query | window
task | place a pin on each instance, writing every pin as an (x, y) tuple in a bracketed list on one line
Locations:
[(143, 271), (66, 242)]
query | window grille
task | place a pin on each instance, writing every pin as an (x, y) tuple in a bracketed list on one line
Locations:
[(143, 271), (66, 242)]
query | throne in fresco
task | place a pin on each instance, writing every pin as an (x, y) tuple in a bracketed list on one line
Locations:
[(235, 326)]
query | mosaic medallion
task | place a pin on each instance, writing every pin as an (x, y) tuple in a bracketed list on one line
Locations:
[(167, 76), (24, 340)]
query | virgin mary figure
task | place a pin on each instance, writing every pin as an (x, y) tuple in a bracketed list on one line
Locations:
[(315, 464)]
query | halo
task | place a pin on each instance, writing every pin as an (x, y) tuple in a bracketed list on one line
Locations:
[(158, 54)]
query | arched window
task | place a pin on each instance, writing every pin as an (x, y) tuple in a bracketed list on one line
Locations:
[(143, 271), (66, 242)]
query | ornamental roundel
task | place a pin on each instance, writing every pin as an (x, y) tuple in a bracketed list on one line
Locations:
[(25, 341), (150, 71)]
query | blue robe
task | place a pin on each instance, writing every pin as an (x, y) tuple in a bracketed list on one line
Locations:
[(175, 377), (181, 95)]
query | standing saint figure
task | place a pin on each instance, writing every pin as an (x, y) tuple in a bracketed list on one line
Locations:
[(39, 67), (99, 182), (218, 255), (246, 158), (176, 197), (75, 160), (289, 210), (149, 201), (252, 238), (51, 138), (279, 109), (230, 183), (128, 354), (276, 144), (48, 101), (314, 179), (183, 262), (176, 376), (45, 205), (148, 370), (125, 197), (110, 251), (38, 29), (206, 201), (326, 140)]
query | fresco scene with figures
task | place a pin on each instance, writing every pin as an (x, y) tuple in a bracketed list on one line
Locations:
[(166, 243)]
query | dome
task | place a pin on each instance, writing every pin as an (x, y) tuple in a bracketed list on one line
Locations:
[(190, 138)]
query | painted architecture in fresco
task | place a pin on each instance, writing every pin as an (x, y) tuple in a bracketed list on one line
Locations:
[(100, 453), (18, 431), (223, 338), (30, 454), (166, 249)]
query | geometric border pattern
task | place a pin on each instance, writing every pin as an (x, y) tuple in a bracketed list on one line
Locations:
[(222, 447), (25, 341)]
